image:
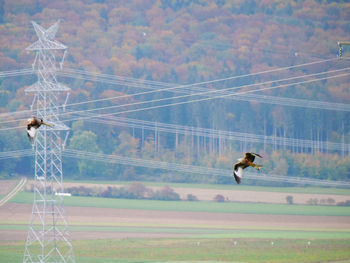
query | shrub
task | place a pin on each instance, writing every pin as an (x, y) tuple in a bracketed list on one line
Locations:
[(114, 192), (346, 203), (330, 201), (191, 197), (133, 191), (81, 191), (289, 199), (139, 190), (166, 193), (312, 201), (219, 198)]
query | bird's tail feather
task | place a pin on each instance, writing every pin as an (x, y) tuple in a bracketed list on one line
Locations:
[(257, 166), (47, 124)]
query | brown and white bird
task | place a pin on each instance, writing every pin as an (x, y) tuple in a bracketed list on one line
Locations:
[(33, 124), (243, 163)]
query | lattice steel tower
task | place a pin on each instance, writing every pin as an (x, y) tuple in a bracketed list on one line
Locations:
[(48, 238)]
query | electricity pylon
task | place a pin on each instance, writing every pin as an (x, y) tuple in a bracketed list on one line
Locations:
[(48, 239), (340, 45)]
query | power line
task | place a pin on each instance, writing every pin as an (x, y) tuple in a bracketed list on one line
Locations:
[(265, 99), (220, 134), (190, 101), (16, 154), (302, 103), (177, 103), (205, 93), (170, 87), (197, 169), (184, 168), (204, 82), (18, 72)]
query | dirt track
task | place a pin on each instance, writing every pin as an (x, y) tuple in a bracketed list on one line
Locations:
[(87, 216), (150, 218)]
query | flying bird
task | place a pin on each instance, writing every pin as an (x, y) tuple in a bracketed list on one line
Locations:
[(243, 163), (33, 124)]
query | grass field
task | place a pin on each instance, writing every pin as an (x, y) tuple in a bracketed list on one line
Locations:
[(210, 233), (197, 250), (214, 207), (212, 243), (304, 190)]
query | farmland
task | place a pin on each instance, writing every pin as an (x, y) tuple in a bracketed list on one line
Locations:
[(251, 194), (197, 250), (212, 207), (175, 91), (129, 230)]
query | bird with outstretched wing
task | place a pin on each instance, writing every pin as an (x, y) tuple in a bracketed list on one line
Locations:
[(33, 124), (246, 161)]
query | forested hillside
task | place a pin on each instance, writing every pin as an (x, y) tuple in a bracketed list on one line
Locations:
[(154, 44)]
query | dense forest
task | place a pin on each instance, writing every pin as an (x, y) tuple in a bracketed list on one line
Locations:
[(217, 44)]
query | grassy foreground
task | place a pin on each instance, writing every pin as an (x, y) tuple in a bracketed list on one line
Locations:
[(206, 232), (197, 250), (212, 244), (214, 207)]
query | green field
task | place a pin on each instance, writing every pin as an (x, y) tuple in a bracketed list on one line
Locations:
[(197, 250), (202, 244), (304, 190), (214, 207), (206, 232)]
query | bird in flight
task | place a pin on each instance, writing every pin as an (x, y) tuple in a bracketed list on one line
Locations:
[(33, 124), (243, 163)]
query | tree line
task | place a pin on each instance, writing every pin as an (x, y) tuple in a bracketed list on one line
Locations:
[(186, 42)]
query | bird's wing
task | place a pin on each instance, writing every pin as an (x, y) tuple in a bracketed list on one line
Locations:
[(31, 133), (255, 154), (242, 165), (235, 166), (239, 165), (238, 174), (249, 157)]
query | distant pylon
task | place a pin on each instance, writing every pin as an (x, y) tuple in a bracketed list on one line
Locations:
[(340, 45), (48, 238)]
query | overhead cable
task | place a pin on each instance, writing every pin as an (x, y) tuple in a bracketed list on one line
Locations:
[(183, 168), (170, 87), (183, 102)]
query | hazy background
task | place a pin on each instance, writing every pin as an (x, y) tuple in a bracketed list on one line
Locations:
[(156, 44)]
